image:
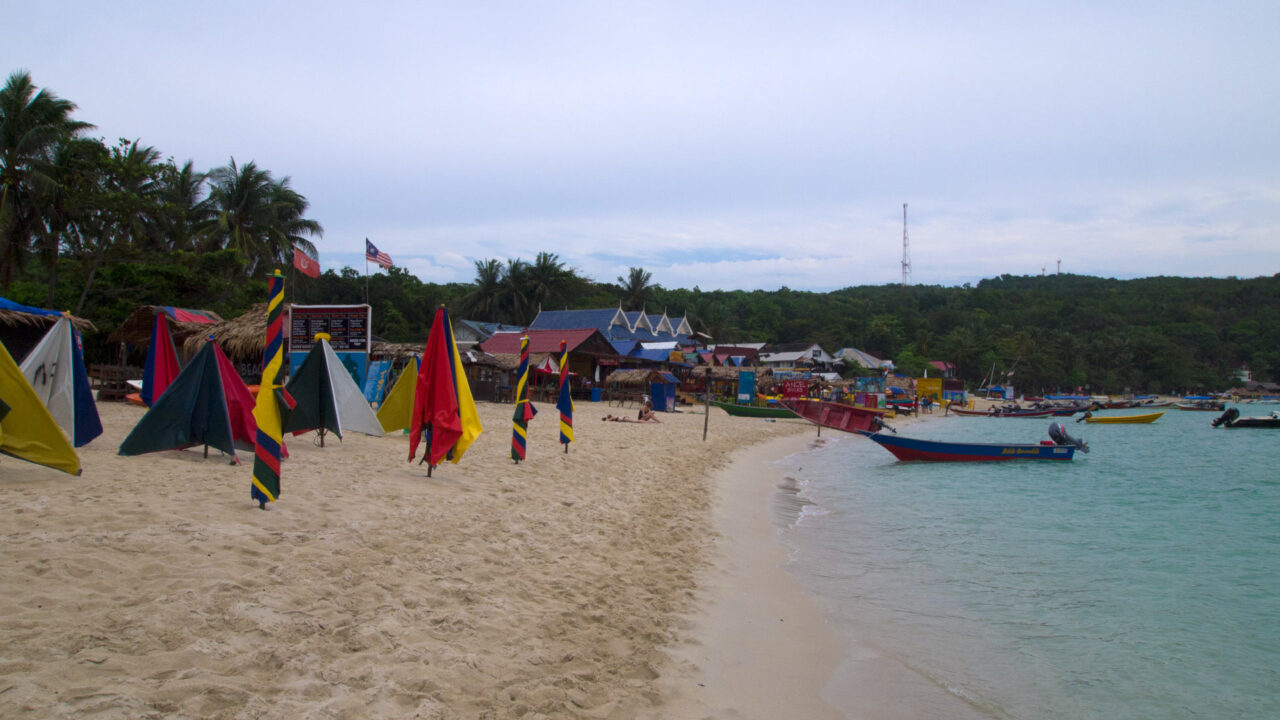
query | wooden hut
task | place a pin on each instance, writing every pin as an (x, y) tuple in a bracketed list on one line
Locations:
[(724, 380)]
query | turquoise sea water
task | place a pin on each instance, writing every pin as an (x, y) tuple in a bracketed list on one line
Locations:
[(1140, 581)]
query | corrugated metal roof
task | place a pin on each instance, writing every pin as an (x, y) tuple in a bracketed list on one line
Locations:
[(651, 355), (574, 319), (539, 340)]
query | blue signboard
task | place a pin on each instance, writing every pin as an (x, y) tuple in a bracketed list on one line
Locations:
[(746, 386), (375, 379)]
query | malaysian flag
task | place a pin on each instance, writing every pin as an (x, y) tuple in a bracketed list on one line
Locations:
[(374, 254)]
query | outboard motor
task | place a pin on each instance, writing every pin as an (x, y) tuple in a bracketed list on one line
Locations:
[(1059, 435), (878, 424), (1227, 417)]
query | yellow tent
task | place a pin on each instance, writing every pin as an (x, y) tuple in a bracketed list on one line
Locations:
[(397, 408), (27, 430)]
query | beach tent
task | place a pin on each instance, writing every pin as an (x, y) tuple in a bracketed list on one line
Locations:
[(327, 397), (27, 430), (396, 411), (162, 361), (207, 404), (55, 370)]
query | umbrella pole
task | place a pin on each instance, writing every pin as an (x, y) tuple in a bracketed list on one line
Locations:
[(206, 452), (427, 454), (321, 437)]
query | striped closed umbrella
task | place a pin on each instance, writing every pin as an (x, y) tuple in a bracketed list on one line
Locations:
[(524, 408)]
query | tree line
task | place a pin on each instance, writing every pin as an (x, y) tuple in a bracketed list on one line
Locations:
[(99, 228)]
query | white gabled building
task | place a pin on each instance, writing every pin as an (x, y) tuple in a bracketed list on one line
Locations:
[(796, 355)]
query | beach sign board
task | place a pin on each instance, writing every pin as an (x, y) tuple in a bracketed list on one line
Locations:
[(348, 328), (794, 388)]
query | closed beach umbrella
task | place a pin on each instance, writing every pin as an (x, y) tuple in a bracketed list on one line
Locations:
[(272, 402), (162, 361), (565, 402), (27, 430), (55, 369), (443, 409), (524, 408), (396, 411)]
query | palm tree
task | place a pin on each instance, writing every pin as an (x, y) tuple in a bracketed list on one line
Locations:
[(121, 205), (636, 288), (484, 300), (290, 225), (513, 296), (186, 207), (32, 126), (546, 279), (256, 216)]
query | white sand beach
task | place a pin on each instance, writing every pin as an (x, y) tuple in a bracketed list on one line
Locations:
[(570, 585)]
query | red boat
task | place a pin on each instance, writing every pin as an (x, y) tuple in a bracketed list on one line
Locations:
[(1003, 413), (849, 418)]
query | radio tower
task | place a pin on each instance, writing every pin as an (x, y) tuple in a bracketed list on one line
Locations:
[(906, 249)]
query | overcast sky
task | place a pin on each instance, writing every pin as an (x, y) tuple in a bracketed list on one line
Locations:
[(718, 144)]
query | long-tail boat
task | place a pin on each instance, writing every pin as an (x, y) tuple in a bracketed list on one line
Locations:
[(849, 418)]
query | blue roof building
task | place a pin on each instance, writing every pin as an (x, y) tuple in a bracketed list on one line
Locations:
[(616, 324)]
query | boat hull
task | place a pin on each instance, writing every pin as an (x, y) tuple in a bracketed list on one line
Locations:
[(913, 450), (838, 416), (1201, 407), (1125, 419), (753, 411), (1254, 422)]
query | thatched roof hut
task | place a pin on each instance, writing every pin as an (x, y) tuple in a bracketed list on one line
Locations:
[(136, 329), (731, 372), (398, 353), (639, 377), (242, 338), (19, 319), (21, 329)]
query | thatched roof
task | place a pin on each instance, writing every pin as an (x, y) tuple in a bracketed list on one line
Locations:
[(502, 361), (136, 329), (395, 351), (510, 361), (17, 318), (731, 372), (639, 376), (242, 338)]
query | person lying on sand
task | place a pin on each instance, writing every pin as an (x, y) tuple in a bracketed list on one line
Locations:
[(618, 418)]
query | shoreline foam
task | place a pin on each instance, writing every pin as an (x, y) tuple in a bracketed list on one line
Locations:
[(757, 645)]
